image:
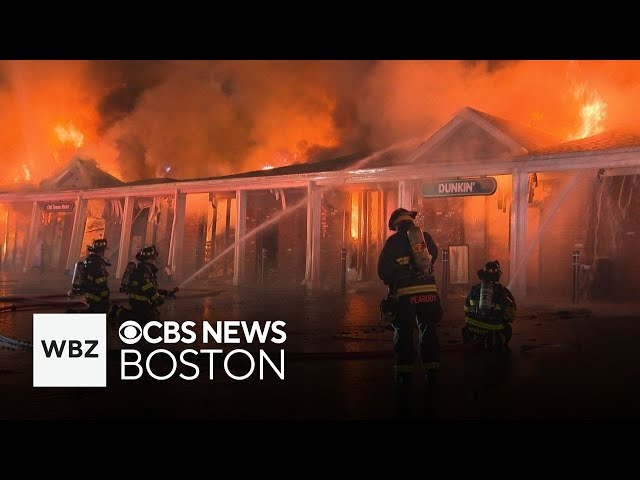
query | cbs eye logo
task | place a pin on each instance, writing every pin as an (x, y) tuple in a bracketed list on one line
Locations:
[(130, 332)]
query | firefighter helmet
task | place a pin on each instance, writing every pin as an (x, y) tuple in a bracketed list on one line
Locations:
[(400, 215), (98, 245), (491, 271), (147, 253)]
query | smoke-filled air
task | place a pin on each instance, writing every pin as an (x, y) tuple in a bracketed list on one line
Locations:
[(186, 119)]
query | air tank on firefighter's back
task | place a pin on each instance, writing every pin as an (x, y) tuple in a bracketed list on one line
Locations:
[(125, 283), (486, 297), (419, 250), (78, 279)]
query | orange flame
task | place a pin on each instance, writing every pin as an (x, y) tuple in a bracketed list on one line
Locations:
[(355, 216), (27, 172), (25, 175), (593, 112), (70, 134)]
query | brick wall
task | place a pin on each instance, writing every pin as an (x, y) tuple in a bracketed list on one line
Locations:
[(334, 203), (285, 240), (292, 242), (498, 210), (564, 231), (193, 242), (443, 219), (195, 223), (261, 206), (614, 221)]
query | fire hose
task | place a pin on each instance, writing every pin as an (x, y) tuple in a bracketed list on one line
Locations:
[(37, 303), (23, 302), (15, 343), (37, 306), (18, 298)]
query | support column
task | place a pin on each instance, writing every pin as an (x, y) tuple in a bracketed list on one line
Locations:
[(241, 229), (125, 236), (214, 226), (475, 221), (317, 236), (151, 229), (314, 234), (177, 234), (227, 234), (33, 235), (364, 237), (391, 205), (406, 190), (77, 233), (518, 233), (382, 220), (5, 237)]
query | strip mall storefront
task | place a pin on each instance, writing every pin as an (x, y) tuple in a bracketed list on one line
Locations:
[(485, 190)]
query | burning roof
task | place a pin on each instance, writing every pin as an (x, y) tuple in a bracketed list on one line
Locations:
[(610, 140), (512, 138), (527, 137), (80, 174)]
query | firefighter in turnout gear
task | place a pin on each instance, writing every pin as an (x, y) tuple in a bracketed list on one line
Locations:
[(406, 266), (489, 310), (92, 278), (144, 295)]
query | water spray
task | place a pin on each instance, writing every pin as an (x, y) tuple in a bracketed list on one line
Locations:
[(571, 184), (336, 181)]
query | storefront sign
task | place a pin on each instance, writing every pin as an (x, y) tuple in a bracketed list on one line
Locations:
[(459, 187), (58, 207)]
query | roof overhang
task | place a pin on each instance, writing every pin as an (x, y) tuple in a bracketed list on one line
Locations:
[(608, 159)]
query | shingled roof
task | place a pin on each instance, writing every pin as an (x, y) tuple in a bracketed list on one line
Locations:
[(610, 140), (517, 138), (530, 138), (520, 139), (80, 174)]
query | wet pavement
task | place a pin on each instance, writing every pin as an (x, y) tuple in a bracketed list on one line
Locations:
[(566, 361)]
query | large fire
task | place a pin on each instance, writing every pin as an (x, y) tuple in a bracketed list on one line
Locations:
[(218, 118), (69, 134), (25, 175), (593, 112), (355, 216)]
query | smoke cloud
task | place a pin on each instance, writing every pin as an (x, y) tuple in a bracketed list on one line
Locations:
[(187, 119)]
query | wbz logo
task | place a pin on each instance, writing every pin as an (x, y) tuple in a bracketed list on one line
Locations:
[(75, 348), (69, 350)]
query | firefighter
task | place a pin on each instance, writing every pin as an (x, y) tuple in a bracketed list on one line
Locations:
[(94, 285), (144, 295), (489, 310), (413, 285)]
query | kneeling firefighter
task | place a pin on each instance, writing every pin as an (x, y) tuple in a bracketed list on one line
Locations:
[(90, 278), (489, 309), (406, 266), (141, 283)]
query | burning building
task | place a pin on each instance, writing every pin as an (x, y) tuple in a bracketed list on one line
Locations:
[(485, 188)]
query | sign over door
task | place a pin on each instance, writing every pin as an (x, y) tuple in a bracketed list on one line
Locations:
[(51, 207), (459, 187)]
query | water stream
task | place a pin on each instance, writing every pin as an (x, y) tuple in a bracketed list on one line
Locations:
[(339, 179)]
